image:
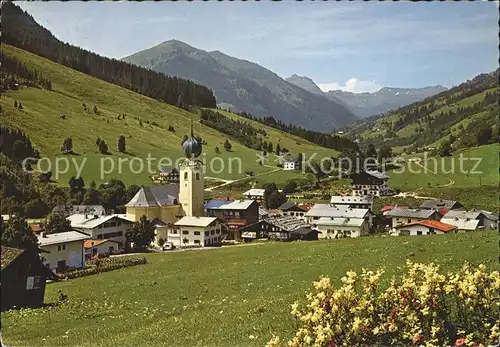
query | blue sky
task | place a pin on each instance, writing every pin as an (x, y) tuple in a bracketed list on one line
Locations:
[(354, 46)]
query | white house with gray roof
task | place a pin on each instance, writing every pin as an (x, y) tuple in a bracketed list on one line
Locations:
[(326, 210), (110, 227), (463, 220), (63, 250), (361, 201), (333, 228), (196, 231)]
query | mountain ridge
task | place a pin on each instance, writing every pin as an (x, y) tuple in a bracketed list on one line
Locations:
[(243, 85), (368, 104)]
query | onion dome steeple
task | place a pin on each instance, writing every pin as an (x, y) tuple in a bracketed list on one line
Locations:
[(192, 147)]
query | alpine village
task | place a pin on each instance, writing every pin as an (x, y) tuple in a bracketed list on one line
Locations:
[(264, 229)]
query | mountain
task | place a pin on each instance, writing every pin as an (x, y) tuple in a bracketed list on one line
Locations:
[(369, 104), (463, 116), (245, 86), (386, 99)]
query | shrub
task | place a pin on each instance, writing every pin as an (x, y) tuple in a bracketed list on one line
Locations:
[(104, 265), (423, 307)]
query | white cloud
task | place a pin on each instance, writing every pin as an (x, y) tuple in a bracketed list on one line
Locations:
[(353, 85)]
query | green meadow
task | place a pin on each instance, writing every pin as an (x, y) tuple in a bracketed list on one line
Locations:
[(40, 120), (234, 296)]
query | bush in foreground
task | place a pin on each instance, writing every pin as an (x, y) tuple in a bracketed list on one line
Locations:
[(422, 308)]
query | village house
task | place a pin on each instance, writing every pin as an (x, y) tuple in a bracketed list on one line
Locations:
[(105, 247), (196, 231), (293, 209), (370, 183), (110, 227), (23, 278), (235, 214), (463, 220), (388, 208), (333, 228), (166, 175), (63, 251), (361, 201), (326, 210), (255, 231), (288, 228), (441, 204), (254, 194), (67, 210), (409, 215), (291, 164), (424, 227)]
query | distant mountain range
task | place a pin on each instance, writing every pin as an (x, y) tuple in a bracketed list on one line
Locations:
[(369, 104), (245, 86)]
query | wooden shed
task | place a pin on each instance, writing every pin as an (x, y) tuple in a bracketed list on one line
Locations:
[(23, 278)]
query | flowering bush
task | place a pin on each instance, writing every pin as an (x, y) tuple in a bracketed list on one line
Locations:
[(422, 307)]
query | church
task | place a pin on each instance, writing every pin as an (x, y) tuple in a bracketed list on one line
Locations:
[(177, 211)]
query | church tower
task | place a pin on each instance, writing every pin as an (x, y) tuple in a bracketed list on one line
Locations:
[(191, 178)]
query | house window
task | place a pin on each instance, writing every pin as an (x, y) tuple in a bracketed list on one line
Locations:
[(197, 176), (173, 231), (196, 242), (59, 247), (237, 213), (185, 232), (185, 175), (409, 220), (197, 233), (419, 232), (206, 233)]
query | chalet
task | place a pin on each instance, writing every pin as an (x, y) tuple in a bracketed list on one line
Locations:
[(67, 210), (409, 215), (23, 279), (105, 247), (110, 227), (361, 201), (463, 220), (291, 164), (63, 251), (370, 183), (166, 175), (235, 214), (196, 231), (288, 228), (333, 228), (255, 231), (254, 194), (441, 205), (293, 209), (326, 210), (424, 227)]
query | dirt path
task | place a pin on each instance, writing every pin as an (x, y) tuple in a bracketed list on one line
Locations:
[(228, 182), (450, 181)]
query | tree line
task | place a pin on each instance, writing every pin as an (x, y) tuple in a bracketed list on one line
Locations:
[(21, 30), (13, 73), (321, 139)]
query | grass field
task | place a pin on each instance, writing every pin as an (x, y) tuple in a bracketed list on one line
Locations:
[(221, 297), (439, 170), (40, 120)]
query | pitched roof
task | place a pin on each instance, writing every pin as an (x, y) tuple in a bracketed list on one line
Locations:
[(195, 221), (377, 174), (72, 209), (463, 214), (410, 213), (82, 221), (348, 222), (349, 199), (444, 227), (94, 243), (231, 205), (287, 205), (326, 210), (8, 255), (437, 204), (462, 224), (390, 207), (287, 223), (211, 204), (156, 195), (254, 192), (64, 237)]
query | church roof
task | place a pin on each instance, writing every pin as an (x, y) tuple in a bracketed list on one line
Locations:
[(157, 195)]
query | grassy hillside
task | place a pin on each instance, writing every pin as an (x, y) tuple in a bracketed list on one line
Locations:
[(239, 296), (443, 117), (40, 120)]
